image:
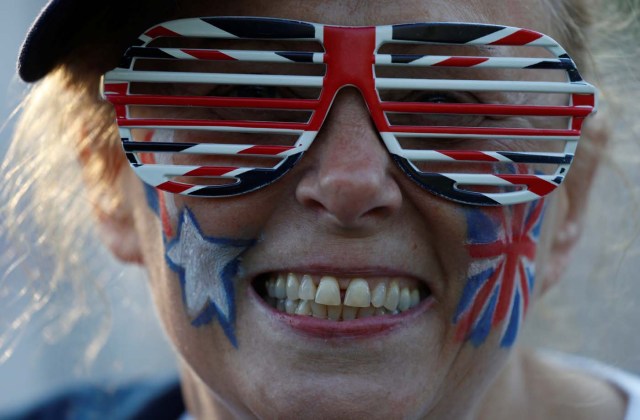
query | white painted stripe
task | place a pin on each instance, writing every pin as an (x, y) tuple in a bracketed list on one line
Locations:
[(488, 39), (145, 39), (319, 31), (238, 172), (231, 149), (305, 140), (159, 171), (385, 60), (425, 155), (196, 27), (390, 140), (177, 53), (486, 179), (217, 78), (514, 197), (502, 158), (191, 190), (384, 34), (484, 85), (125, 132), (544, 41), (208, 148)]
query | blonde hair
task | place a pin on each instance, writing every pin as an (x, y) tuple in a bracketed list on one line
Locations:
[(46, 214)]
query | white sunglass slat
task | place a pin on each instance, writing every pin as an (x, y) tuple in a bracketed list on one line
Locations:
[(527, 157), (214, 149), (484, 136), (201, 54), (159, 172), (491, 180), (213, 78), (484, 85), (132, 123), (423, 60)]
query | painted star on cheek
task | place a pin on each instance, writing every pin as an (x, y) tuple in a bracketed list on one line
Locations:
[(207, 267)]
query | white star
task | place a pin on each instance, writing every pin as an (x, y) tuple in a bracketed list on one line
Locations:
[(206, 266)]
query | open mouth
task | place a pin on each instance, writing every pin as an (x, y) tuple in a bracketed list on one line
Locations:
[(339, 299)]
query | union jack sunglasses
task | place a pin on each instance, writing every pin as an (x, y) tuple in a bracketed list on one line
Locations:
[(475, 113)]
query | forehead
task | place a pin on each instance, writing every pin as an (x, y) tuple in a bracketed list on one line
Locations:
[(379, 12)]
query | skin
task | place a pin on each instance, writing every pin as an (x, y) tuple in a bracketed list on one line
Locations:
[(347, 210)]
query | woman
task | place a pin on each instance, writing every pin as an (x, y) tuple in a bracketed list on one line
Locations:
[(341, 282)]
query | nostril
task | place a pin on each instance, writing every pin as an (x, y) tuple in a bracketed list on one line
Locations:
[(350, 202)]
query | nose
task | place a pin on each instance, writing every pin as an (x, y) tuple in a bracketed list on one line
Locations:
[(349, 182)]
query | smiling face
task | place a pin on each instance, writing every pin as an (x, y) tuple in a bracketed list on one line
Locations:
[(344, 287)]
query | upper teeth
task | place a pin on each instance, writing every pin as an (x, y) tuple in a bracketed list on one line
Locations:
[(304, 295)]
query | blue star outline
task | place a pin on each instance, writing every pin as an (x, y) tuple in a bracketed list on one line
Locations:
[(206, 267)]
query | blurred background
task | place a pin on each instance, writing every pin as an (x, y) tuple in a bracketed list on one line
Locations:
[(50, 356), (594, 311)]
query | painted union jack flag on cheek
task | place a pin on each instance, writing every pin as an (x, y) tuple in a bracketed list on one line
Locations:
[(502, 272)]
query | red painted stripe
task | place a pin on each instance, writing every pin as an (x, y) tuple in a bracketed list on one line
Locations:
[(120, 88), (461, 61), (521, 37), (174, 187), (583, 100), (468, 155), (121, 111), (210, 171), (505, 296), (149, 136), (535, 184), (481, 300), (576, 123), (213, 101), (265, 150), (487, 109), (207, 123), (159, 31), (208, 55)]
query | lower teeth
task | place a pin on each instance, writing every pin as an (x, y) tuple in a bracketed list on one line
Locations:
[(332, 312)]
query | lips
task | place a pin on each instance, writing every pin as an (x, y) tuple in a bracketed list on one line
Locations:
[(339, 299)]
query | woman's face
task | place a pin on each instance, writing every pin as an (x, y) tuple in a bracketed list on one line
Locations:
[(445, 285)]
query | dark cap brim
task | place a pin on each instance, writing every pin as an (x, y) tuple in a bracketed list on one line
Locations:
[(64, 25)]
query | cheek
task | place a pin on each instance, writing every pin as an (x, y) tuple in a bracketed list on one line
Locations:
[(502, 244), (199, 269), (206, 267)]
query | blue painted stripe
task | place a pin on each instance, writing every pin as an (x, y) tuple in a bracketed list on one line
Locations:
[(474, 283), (481, 330), (514, 323)]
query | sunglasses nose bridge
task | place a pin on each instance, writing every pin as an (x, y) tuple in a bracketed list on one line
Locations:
[(350, 58), (349, 183)]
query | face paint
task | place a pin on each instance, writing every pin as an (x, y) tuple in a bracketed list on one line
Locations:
[(157, 200), (501, 276), (206, 267), (151, 194)]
